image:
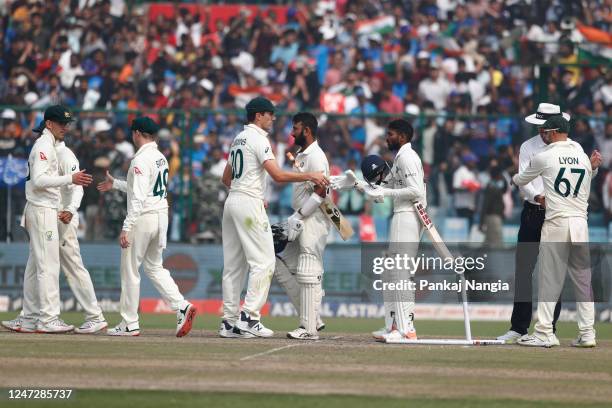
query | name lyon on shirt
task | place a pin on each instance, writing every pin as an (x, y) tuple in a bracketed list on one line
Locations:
[(568, 160)]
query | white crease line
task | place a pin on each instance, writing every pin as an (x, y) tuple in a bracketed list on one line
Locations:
[(269, 351)]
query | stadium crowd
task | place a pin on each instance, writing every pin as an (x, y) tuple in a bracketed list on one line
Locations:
[(463, 70)]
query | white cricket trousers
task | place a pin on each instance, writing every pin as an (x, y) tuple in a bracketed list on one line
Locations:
[(146, 246), (564, 248), (248, 249), (299, 269), (404, 238), (41, 279), (77, 275)]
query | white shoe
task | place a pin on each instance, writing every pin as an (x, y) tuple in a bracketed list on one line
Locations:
[(531, 340), (91, 327), (12, 325), (184, 320), (584, 341), (380, 334), (510, 337), (227, 331), (320, 324), (56, 326), (302, 334), (122, 330), (28, 325), (395, 335), (254, 327)]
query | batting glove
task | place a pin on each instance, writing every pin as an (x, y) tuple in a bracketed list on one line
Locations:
[(375, 193), (294, 227), (346, 181)]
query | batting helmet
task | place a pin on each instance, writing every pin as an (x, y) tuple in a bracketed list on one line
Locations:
[(374, 169), (279, 235)]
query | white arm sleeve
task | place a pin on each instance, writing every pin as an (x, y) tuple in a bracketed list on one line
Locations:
[(140, 184), (535, 168), (310, 206), (526, 190), (39, 176), (120, 185)]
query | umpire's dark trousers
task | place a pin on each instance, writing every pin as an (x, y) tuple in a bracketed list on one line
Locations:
[(532, 219)]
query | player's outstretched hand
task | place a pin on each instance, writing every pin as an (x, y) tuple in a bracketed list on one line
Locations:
[(107, 184), (596, 159), (319, 179), (65, 217), (123, 240), (80, 178), (346, 181)]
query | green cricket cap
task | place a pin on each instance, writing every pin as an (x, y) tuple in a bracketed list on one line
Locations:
[(55, 113), (559, 123), (145, 124), (259, 104)]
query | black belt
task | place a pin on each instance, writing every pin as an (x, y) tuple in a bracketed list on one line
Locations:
[(534, 207)]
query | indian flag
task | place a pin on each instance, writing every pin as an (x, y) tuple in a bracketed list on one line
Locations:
[(381, 25), (598, 46)]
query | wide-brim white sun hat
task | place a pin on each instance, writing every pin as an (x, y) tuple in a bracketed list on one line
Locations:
[(544, 112)]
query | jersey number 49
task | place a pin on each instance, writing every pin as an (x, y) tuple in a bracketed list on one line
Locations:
[(161, 185)]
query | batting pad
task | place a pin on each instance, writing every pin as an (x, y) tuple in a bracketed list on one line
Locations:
[(308, 306)]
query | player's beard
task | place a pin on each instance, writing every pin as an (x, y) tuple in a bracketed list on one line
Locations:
[(393, 146), (300, 139)]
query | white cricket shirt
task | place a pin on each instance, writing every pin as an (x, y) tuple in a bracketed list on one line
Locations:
[(566, 174), (147, 184), (70, 195), (407, 173), (310, 160), (248, 152), (43, 180)]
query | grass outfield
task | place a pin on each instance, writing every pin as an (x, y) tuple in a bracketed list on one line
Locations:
[(345, 368)]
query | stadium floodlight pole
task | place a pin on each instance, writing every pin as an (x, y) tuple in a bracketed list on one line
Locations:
[(443, 251)]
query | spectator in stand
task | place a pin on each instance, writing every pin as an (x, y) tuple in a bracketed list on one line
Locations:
[(465, 188), (376, 56), (492, 214)]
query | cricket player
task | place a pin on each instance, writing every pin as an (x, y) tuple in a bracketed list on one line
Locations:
[(248, 247), (530, 231), (71, 262), (299, 268), (41, 280), (405, 185), (566, 173), (143, 236)]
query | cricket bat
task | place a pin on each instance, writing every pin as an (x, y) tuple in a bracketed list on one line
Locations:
[(331, 211), (432, 232)]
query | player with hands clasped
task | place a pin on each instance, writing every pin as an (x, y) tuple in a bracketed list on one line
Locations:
[(405, 184), (71, 262), (248, 247), (143, 236), (299, 268), (566, 173), (41, 306)]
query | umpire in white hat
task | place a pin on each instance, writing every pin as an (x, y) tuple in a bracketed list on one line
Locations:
[(532, 219)]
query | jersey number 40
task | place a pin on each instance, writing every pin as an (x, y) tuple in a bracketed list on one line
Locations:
[(237, 159), (161, 184)]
